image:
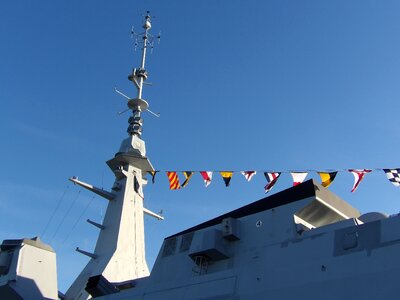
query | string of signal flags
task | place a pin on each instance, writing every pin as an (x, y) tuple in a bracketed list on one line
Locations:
[(393, 175)]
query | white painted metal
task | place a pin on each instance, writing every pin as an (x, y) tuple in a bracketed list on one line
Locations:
[(120, 248), (147, 27), (29, 272), (96, 190), (119, 254), (153, 214)]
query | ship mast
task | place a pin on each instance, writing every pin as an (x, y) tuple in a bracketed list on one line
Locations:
[(119, 255), (138, 77)]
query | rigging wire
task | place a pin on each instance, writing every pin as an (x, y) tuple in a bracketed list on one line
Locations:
[(77, 221), (65, 216), (54, 211), (272, 170)]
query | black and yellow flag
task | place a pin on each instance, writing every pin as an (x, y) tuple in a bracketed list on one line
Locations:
[(188, 175), (226, 176), (327, 178), (153, 175)]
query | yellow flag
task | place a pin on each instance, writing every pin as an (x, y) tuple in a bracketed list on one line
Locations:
[(327, 178), (188, 175), (226, 176)]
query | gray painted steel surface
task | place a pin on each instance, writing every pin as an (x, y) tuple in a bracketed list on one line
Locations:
[(275, 256)]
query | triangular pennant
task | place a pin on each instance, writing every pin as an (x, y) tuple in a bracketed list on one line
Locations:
[(153, 175), (298, 177), (207, 176), (358, 176), (248, 174), (226, 176), (173, 181), (393, 175), (188, 175), (327, 178), (272, 178)]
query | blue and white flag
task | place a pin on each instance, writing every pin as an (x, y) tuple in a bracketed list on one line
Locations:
[(272, 178), (393, 175)]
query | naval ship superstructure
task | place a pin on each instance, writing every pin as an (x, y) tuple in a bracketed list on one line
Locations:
[(304, 243)]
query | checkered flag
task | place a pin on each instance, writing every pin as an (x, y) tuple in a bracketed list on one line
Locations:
[(393, 175)]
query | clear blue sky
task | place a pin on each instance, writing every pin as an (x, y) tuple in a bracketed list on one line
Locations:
[(265, 85)]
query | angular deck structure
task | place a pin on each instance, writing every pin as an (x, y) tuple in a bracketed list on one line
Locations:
[(303, 242)]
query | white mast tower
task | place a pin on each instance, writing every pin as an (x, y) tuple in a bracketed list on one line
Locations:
[(119, 254)]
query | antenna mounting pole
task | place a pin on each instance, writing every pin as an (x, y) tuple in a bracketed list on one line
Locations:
[(138, 77), (142, 71)]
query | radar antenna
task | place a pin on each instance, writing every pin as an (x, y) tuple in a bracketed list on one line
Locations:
[(128, 98)]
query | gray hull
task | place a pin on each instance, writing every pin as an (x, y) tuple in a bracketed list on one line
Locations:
[(301, 243)]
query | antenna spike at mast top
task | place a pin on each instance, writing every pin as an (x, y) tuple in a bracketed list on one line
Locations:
[(139, 76)]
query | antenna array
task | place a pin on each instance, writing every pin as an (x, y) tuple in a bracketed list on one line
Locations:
[(138, 77)]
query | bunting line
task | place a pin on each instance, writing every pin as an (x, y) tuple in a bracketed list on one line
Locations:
[(327, 177)]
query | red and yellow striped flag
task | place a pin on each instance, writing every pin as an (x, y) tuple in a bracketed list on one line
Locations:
[(173, 181)]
